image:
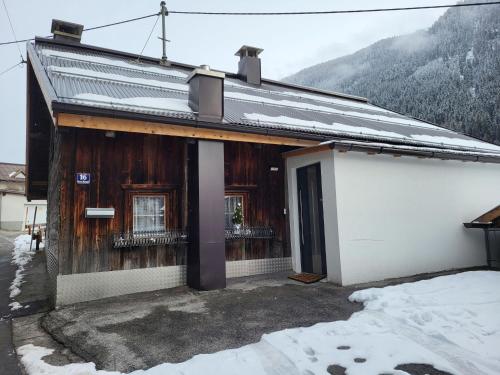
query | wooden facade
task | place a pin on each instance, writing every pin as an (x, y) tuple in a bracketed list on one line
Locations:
[(122, 165)]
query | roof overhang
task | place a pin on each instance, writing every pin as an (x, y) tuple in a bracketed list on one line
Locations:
[(373, 148), (486, 220), (215, 132)]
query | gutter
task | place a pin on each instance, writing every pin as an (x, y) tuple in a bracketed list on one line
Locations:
[(398, 150), (424, 152)]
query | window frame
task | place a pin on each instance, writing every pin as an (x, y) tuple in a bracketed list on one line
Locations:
[(152, 195), (244, 199), (171, 214)]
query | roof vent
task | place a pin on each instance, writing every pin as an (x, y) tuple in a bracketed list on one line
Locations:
[(206, 93), (67, 31), (249, 64)]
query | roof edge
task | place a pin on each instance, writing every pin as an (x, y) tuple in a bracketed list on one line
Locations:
[(77, 109), (189, 66), (396, 150), (8, 163), (41, 76)]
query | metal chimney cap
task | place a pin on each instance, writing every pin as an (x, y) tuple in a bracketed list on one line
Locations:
[(248, 51), (205, 72), (66, 29)]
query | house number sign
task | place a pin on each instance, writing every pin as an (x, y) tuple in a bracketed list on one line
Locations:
[(83, 178)]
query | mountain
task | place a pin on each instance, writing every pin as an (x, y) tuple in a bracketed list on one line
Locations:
[(448, 74)]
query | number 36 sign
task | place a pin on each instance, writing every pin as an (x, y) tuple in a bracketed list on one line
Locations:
[(83, 178)]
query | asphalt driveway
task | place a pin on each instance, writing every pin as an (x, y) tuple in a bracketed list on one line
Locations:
[(142, 330), (139, 331)]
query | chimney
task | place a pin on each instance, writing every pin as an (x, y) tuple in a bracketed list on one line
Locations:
[(249, 64), (66, 31), (206, 93)]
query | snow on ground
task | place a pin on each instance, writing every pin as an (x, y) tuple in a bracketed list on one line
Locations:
[(450, 322), (21, 255)]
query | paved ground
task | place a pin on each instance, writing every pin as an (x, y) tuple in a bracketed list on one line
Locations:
[(142, 330), (35, 288), (22, 326), (8, 359)]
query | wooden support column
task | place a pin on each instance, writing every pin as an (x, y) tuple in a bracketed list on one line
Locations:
[(206, 260)]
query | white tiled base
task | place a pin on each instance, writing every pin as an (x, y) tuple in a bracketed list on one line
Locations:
[(96, 285)]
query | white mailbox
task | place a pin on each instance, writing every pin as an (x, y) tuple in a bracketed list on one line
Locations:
[(99, 213)]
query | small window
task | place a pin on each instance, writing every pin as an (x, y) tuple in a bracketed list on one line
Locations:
[(148, 213), (230, 204)]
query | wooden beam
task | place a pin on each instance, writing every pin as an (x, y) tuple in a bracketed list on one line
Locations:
[(306, 151), (149, 187), (146, 127)]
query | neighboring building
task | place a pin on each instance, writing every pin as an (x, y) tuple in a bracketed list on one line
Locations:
[(15, 211), (12, 198), (143, 165)]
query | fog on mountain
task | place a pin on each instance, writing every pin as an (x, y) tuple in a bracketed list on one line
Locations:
[(448, 74)]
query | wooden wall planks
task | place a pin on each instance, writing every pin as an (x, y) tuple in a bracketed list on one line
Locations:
[(132, 161)]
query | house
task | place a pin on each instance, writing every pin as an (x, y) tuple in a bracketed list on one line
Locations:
[(15, 212), (144, 163)]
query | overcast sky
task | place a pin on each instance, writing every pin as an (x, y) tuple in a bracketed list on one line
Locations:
[(290, 43)]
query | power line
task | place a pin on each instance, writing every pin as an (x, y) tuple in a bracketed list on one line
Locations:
[(275, 14), (89, 28), (125, 21), (331, 11), (9, 69), (12, 29), (16, 41)]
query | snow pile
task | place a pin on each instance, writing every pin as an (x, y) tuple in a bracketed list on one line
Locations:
[(21, 255), (450, 322), (33, 363)]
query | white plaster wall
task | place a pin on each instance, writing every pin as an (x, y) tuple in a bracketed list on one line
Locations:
[(329, 211), (403, 216), (12, 211)]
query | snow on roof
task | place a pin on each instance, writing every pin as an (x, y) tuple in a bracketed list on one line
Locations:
[(101, 79)]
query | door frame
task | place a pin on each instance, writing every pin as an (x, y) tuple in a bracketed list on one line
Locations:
[(319, 186)]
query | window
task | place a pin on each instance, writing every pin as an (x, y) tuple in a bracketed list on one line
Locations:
[(148, 213), (230, 204)]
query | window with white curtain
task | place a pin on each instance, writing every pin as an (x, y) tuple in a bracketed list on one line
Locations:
[(230, 203), (148, 213)]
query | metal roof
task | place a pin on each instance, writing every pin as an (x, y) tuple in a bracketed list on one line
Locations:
[(110, 80)]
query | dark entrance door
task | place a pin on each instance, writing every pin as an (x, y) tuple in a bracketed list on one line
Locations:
[(312, 237)]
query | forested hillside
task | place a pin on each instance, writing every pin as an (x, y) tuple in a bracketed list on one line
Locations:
[(448, 74)]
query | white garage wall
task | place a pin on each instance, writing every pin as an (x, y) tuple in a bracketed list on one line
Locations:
[(403, 216)]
